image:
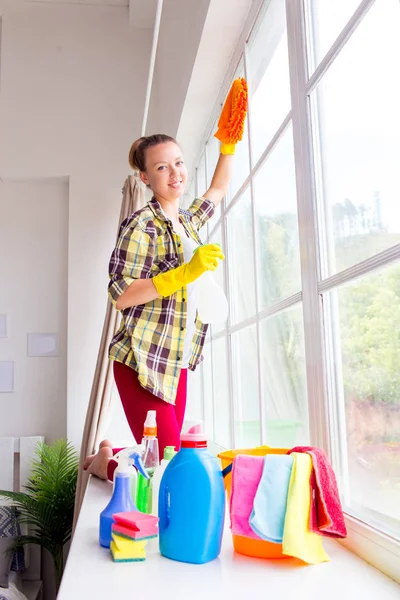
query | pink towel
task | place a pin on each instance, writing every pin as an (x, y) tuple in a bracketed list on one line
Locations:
[(326, 515), (246, 475)]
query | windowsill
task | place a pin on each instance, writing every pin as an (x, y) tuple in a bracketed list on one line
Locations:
[(90, 572)]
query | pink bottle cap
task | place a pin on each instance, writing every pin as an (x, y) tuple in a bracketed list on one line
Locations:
[(195, 437)]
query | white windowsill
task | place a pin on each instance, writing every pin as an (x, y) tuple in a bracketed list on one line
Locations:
[(91, 573)]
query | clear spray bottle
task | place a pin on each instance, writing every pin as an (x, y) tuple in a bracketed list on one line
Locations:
[(151, 462)]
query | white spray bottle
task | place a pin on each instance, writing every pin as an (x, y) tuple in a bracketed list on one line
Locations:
[(126, 463)]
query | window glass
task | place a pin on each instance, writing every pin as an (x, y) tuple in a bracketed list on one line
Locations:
[(367, 358), (277, 231), (245, 388), (284, 379), (359, 140), (268, 74)]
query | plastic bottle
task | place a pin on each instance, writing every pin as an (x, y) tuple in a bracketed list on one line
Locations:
[(191, 504), (121, 499), (212, 304), (121, 458), (169, 453), (151, 462)]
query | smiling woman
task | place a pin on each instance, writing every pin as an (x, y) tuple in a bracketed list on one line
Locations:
[(153, 273)]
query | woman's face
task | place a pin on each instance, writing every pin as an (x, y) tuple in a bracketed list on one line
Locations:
[(166, 172)]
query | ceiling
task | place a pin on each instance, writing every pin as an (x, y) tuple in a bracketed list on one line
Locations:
[(196, 44), (86, 2)]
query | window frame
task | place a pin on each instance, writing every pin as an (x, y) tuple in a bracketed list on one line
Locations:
[(372, 544)]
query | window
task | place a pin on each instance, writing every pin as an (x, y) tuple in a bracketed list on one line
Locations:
[(268, 76), (356, 152), (367, 342), (359, 133), (311, 231), (277, 237), (257, 358)]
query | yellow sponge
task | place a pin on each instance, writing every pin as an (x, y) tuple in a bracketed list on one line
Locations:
[(125, 544), (124, 550), (128, 555)]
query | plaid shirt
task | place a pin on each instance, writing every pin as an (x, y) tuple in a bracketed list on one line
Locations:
[(151, 336)]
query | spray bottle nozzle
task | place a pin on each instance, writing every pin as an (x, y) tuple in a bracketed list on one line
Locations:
[(138, 463)]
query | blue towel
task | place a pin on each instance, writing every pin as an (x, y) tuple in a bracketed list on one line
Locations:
[(267, 519)]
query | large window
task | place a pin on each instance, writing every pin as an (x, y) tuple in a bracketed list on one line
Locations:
[(311, 231)]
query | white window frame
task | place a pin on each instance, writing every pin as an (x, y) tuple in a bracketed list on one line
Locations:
[(378, 548)]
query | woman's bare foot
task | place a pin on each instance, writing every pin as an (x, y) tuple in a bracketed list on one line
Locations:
[(89, 459), (97, 464)]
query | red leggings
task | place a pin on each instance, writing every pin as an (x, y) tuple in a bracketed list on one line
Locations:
[(136, 401)]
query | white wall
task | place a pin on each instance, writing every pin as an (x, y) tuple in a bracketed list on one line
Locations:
[(72, 86), (33, 295), (71, 101)]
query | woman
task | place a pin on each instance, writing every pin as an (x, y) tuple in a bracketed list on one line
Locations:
[(153, 273)]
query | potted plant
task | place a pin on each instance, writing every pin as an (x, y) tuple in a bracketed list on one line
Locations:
[(47, 506)]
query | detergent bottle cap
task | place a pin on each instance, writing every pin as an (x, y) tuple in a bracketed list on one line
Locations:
[(169, 452), (150, 424), (195, 437)]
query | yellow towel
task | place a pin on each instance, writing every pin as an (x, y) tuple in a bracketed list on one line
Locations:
[(298, 540)]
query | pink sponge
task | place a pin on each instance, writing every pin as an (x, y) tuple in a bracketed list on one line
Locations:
[(132, 534), (135, 525)]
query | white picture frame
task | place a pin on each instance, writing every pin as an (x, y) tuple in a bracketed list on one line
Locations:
[(43, 344), (3, 326), (6, 376)]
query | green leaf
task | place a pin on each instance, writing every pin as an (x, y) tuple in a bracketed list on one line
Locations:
[(47, 506)]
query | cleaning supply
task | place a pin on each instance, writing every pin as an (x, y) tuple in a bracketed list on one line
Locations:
[(120, 458), (130, 533), (267, 519), (151, 462), (191, 502), (121, 499), (212, 304), (326, 515), (242, 544), (298, 540), (246, 476), (123, 550), (135, 525), (169, 453), (233, 115), (173, 280)]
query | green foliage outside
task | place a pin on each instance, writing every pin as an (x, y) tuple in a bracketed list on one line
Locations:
[(369, 308)]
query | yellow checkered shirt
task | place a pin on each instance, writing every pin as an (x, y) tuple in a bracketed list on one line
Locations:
[(151, 336)]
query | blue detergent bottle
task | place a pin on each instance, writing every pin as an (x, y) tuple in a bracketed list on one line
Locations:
[(192, 502), (121, 500)]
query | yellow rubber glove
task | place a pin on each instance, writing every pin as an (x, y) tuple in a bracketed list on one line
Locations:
[(204, 259)]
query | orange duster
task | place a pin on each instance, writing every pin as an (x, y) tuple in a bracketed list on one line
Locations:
[(231, 122)]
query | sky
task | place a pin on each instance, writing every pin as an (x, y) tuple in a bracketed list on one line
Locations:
[(358, 99)]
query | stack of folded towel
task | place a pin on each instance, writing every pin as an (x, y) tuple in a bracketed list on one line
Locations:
[(290, 499), (130, 533)]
